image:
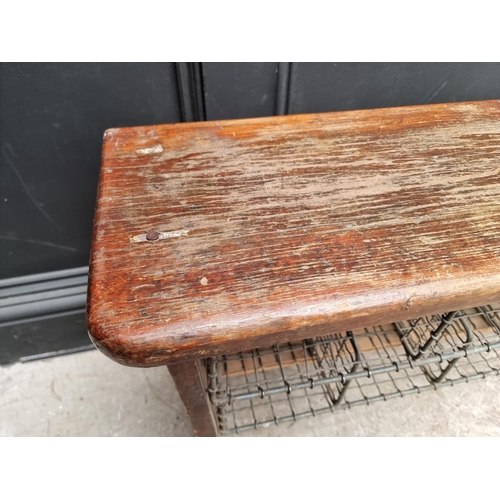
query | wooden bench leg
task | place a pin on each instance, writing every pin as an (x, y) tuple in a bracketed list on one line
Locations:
[(190, 379)]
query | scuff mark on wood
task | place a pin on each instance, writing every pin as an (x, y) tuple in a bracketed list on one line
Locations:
[(158, 148)]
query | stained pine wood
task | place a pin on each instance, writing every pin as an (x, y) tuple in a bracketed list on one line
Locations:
[(191, 383), (275, 229)]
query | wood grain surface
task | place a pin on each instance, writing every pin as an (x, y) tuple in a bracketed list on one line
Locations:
[(274, 229)]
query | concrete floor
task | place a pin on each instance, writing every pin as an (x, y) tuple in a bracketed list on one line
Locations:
[(86, 394)]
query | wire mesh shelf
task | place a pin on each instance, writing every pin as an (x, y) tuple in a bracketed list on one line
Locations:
[(288, 381)]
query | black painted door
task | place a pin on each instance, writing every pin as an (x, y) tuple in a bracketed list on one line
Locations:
[(52, 119)]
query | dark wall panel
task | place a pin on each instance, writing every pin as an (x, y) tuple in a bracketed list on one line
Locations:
[(239, 90), (41, 337), (316, 87), (52, 119)]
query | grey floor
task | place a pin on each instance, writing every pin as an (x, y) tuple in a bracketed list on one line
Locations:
[(86, 394)]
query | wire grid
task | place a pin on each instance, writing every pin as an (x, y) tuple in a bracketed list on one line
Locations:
[(284, 382)]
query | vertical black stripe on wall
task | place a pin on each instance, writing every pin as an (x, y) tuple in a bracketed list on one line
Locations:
[(191, 91), (283, 88)]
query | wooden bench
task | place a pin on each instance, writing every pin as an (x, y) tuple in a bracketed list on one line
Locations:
[(218, 237)]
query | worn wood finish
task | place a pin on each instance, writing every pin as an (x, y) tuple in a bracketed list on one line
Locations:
[(190, 380), (287, 227)]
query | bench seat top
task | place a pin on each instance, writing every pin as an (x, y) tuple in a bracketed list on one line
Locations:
[(218, 236)]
